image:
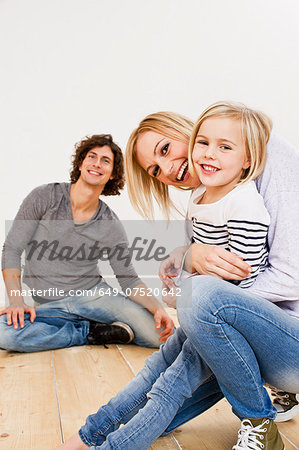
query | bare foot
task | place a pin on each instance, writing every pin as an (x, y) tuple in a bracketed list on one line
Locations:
[(73, 443)]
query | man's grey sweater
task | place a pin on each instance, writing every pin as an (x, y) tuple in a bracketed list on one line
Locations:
[(60, 254)]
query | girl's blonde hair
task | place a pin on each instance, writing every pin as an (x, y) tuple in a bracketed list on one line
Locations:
[(256, 128), (141, 186)]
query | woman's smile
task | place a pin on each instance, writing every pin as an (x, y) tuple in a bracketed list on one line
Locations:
[(165, 159)]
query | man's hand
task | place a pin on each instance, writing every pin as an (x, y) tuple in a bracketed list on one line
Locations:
[(216, 261), (17, 308), (15, 313), (149, 302), (163, 320)]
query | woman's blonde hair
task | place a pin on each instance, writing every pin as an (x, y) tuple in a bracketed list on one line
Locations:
[(256, 128), (141, 186)]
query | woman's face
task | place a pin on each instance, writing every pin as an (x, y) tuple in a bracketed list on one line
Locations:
[(165, 159)]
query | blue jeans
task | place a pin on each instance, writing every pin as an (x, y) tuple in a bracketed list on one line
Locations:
[(171, 389), (241, 337), (246, 341), (64, 323)]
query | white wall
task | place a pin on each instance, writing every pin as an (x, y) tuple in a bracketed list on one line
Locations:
[(75, 67)]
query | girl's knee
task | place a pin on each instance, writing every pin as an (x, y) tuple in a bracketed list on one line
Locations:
[(199, 290), (208, 294)]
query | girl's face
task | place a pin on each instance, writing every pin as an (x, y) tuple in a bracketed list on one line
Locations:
[(165, 159), (219, 154)]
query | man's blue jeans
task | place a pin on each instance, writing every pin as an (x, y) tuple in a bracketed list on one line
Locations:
[(64, 323), (244, 339)]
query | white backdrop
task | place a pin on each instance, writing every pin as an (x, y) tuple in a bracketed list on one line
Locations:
[(75, 67)]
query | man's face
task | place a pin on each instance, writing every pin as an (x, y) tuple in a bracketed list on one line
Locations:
[(97, 166)]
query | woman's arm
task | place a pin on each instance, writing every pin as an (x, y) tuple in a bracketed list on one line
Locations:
[(216, 261), (279, 186)]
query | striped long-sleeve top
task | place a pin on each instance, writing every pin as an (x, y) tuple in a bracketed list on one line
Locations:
[(238, 222)]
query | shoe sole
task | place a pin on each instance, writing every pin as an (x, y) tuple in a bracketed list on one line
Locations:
[(287, 415), (128, 330)]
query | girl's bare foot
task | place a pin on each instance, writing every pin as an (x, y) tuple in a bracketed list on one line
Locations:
[(73, 443)]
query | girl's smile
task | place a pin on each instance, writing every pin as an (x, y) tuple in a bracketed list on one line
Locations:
[(219, 154)]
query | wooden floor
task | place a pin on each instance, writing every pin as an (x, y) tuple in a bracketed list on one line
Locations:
[(45, 397)]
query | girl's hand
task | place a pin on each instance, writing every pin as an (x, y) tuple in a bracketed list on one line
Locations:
[(170, 266), (168, 269), (216, 261), (170, 297)]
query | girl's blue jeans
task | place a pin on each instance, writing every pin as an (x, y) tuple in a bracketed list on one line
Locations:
[(233, 335)]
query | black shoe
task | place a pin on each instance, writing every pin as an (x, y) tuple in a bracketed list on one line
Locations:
[(116, 333)]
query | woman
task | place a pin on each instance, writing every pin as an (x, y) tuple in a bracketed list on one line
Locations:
[(258, 338)]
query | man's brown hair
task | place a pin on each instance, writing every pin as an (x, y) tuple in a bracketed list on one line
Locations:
[(113, 186)]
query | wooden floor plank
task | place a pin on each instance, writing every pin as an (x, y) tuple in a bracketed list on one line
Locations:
[(135, 355), (28, 408), (290, 430), (86, 378)]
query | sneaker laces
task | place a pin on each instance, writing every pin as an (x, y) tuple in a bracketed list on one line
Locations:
[(280, 397), (249, 437)]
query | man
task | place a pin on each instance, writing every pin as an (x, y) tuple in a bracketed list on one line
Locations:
[(65, 229)]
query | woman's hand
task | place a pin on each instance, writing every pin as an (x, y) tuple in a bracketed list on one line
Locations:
[(216, 261)]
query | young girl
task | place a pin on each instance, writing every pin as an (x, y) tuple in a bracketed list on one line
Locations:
[(226, 209), (228, 151), (227, 159)]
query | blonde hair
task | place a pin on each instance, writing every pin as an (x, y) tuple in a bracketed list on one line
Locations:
[(256, 128), (142, 188)]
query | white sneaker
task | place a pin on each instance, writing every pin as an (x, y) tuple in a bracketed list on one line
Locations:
[(286, 403)]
